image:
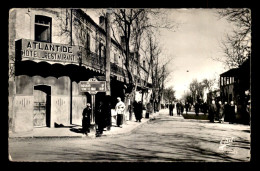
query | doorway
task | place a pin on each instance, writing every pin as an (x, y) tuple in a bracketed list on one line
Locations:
[(42, 106)]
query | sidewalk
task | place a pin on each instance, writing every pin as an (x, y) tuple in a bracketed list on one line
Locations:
[(74, 131)]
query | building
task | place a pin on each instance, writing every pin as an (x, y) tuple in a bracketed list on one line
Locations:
[(50, 52), (235, 86)]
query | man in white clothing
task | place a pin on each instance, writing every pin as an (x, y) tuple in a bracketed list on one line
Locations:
[(120, 108)]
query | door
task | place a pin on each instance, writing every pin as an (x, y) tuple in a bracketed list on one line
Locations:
[(41, 109)]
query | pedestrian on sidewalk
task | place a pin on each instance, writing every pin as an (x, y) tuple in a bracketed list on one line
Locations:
[(120, 107), (178, 108), (232, 112), (108, 116), (171, 109), (205, 108), (100, 118), (190, 107), (149, 109), (139, 111), (212, 111), (135, 109), (226, 111), (197, 108), (86, 119), (182, 107), (221, 112), (186, 107)]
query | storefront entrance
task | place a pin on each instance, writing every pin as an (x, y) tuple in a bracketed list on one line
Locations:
[(41, 108)]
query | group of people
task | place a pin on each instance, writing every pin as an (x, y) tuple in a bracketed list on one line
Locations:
[(221, 113), (103, 117), (179, 107)]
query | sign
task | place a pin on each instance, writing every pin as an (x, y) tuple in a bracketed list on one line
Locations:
[(93, 86), (34, 50)]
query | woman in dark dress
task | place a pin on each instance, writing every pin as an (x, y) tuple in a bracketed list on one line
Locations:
[(212, 111), (100, 118), (139, 111), (232, 112), (86, 119)]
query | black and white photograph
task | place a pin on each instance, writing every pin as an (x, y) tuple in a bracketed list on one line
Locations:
[(129, 85)]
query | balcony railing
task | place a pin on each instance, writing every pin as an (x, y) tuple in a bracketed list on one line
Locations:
[(97, 62)]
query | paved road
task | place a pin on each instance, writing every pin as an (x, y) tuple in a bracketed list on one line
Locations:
[(166, 139)]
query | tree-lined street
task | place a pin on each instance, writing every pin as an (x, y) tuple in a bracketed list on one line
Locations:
[(165, 139)]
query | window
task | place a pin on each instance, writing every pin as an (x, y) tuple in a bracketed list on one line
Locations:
[(228, 81), (88, 43), (42, 28)]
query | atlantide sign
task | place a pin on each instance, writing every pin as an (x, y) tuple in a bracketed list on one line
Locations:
[(49, 51), (92, 86)]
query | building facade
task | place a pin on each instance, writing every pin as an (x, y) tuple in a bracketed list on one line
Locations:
[(235, 86), (50, 52)]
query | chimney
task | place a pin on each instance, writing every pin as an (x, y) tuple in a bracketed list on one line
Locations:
[(102, 22)]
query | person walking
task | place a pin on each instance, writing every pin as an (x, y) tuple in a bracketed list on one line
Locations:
[(190, 107), (100, 118), (226, 111), (108, 115), (186, 107), (221, 112), (139, 111), (197, 108), (212, 111), (86, 119), (205, 108), (135, 109), (232, 112), (171, 109), (120, 108), (181, 108), (178, 108), (148, 110)]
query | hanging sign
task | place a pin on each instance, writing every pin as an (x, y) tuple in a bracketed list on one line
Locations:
[(92, 86)]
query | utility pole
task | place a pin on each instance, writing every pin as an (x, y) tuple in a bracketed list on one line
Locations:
[(108, 42)]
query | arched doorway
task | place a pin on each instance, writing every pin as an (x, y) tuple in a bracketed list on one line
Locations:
[(42, 106)]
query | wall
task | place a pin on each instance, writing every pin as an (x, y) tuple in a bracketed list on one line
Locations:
[(79, 101), (24, 100)]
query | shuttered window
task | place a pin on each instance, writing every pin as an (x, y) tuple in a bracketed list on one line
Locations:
[(42, 28)]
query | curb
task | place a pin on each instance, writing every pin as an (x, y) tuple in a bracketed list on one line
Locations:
[(131, 131), (29, 137), (86, 136)]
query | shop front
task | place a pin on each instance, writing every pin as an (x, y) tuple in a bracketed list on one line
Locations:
[(46, 85)]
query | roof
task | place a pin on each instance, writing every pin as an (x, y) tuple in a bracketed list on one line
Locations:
[(230, 73), (87, 17), (243, 69)]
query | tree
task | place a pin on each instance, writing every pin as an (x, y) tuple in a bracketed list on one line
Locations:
[(196, 89), (208, 83), (157, 67), (236, 46), (169, 94), (187, 97), (130, 25)]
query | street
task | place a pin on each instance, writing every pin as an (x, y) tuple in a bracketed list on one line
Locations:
[(165, 139)]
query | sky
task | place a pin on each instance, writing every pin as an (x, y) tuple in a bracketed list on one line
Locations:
[(193, 45)]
